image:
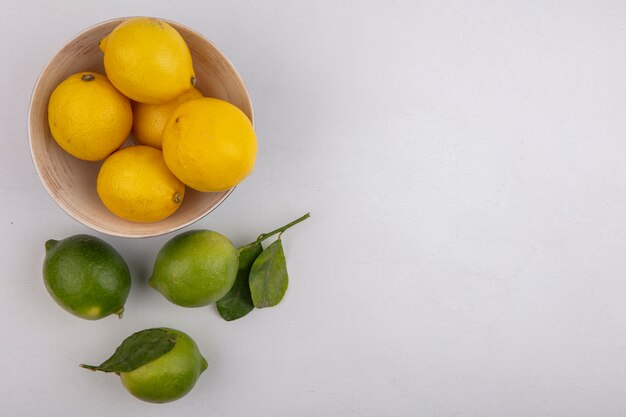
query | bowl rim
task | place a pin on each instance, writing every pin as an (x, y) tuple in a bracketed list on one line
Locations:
[(66, 209)]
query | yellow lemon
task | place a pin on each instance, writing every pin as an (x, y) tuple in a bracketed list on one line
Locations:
[(88, 117), (135, 184), (148, 60), (149, 119), (209, 144)]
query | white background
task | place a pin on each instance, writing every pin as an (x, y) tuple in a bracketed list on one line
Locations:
[(464, 164)]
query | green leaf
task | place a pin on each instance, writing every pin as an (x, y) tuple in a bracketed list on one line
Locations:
[(137, 350), (238, 302), (268, 277)]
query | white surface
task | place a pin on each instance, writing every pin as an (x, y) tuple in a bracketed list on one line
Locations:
[(464, 163)]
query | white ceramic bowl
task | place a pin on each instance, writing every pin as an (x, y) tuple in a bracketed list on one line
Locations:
[(72, 182)]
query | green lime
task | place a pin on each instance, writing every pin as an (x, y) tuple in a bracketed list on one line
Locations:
[(170, 376), (195, 268), (86, 276)]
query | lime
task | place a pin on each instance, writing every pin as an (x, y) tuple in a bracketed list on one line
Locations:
[(195, 268), (170, 376), (86, 276)]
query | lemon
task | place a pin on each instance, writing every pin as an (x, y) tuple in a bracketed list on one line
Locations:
[(209, 144), (170, 376), (88, 117), (148, 60), (149, 119), (135, 184), (195, 268), (86, 276)]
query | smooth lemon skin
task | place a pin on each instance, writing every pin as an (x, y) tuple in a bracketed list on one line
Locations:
[(169, 377), (209, 144), (195, 268), (88, 117), (148, 60), (135, 184), (149, 119)]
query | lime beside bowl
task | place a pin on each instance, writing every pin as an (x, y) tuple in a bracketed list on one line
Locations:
[(72, 182)]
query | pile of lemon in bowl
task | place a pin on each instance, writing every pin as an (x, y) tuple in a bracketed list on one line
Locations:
[(182, 138)]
